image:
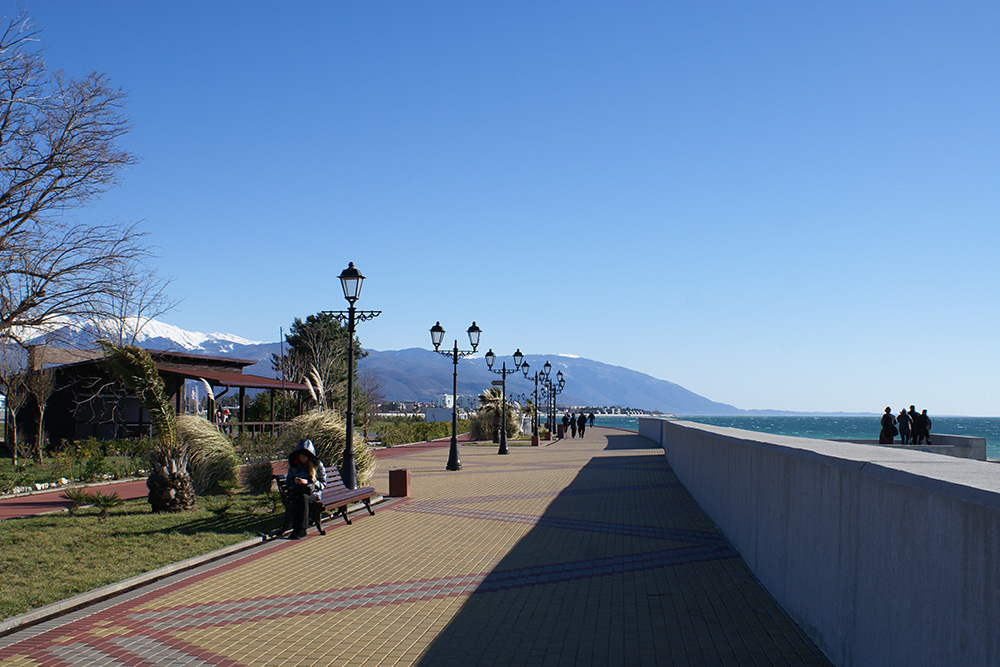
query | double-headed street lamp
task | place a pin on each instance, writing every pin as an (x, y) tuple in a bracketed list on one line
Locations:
[(437, 335), (542, 375), (551, 390), (503, 373), (351, 280)]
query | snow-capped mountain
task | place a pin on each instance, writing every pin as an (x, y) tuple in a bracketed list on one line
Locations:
[(152, 334), (422, 375)]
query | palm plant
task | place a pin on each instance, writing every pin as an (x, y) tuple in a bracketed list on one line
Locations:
[(169, 483), (487, 421), (104, 502)]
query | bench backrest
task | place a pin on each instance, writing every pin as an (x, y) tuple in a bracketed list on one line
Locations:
[(333, 478)]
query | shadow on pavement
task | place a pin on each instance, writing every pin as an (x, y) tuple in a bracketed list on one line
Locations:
[(621, 442), (601, 577)]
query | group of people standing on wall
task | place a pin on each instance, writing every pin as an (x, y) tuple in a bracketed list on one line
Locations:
[(573, 423), (912, 427)]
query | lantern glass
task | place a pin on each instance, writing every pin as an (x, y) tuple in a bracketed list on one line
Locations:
[(437, 335), (518, 358), (490, 358), (474, 333), (350, 280), (524, 368)]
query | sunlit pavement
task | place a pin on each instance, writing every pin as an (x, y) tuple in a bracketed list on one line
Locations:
[(585, 551)]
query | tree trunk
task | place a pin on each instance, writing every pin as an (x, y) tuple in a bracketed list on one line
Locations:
[(170, 488)]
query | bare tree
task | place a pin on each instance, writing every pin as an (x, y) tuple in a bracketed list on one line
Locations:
[(58, 141), (16, 394), (370, 386), (40, 384), (140, 296)]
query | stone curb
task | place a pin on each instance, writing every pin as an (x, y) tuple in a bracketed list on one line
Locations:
[(62, 607)]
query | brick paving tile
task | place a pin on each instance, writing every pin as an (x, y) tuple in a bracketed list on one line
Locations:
[(582, 551)]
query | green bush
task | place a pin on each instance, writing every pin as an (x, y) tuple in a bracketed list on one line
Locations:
[(392, 432)]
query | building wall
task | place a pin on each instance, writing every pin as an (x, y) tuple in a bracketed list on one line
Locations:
[(884, 557)]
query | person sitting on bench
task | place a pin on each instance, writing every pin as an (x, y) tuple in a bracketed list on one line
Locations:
[(304, 483)]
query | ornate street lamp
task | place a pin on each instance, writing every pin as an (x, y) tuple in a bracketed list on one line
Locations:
[(503, 373), (551, 390), (351, 281), (539, 375), (437, 335)]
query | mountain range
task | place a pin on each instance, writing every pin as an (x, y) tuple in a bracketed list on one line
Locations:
[(417, 374)]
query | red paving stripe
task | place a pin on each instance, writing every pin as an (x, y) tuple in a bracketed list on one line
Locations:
[(50, 501)]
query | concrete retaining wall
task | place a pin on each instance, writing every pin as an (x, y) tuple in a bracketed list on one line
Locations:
[(884, 557), (959, 446)]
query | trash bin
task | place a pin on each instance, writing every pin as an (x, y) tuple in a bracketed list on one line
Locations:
[(399, 483), (560, 431)]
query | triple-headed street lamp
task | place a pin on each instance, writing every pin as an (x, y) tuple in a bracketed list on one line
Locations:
[(503, 373), (437, 335), (351, 280), (543, 375)]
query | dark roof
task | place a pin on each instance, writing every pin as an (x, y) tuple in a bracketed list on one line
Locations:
[(232, 379), (166, 355)]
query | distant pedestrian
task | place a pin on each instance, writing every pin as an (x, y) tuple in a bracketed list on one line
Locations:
[(572, 425), (914, 424), (888, 431), (581, 423), (565, 421), (903, 423), (927, 426), (591, 419)]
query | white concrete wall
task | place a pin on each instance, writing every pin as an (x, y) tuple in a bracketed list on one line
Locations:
[(884, 557)]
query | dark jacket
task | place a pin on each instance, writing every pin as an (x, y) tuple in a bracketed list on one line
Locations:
[(313, 472)]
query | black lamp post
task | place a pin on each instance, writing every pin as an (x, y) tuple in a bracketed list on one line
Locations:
[(551, 390), (539, 375), (351, 280), (503, 373), (437, 335)]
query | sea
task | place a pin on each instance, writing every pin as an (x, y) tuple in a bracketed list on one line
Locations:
[(832, 427)]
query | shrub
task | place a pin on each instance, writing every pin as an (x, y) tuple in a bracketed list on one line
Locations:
[(484, 423), (211, 455), (258, 476), (326, 430)]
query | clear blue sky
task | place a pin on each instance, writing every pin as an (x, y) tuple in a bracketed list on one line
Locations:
[(787, 205)]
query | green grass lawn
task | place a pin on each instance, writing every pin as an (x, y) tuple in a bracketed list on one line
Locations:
[(52, 557)]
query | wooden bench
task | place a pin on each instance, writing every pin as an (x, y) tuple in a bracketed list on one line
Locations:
[(335, 498)]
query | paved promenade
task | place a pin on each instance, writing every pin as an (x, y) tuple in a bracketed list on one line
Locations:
[(587, 551)]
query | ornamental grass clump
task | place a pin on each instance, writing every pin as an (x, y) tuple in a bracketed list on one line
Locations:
[(328, 433), (212, 457)]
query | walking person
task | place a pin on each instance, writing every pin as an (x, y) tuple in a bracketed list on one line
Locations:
[(903, 423), (590, 418), (888, 431), (581, 423), (572, 425)]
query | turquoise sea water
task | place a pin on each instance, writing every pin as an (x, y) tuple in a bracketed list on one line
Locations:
[(832, 428)]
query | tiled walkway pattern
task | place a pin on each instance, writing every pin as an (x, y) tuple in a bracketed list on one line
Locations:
[(587, 551)]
